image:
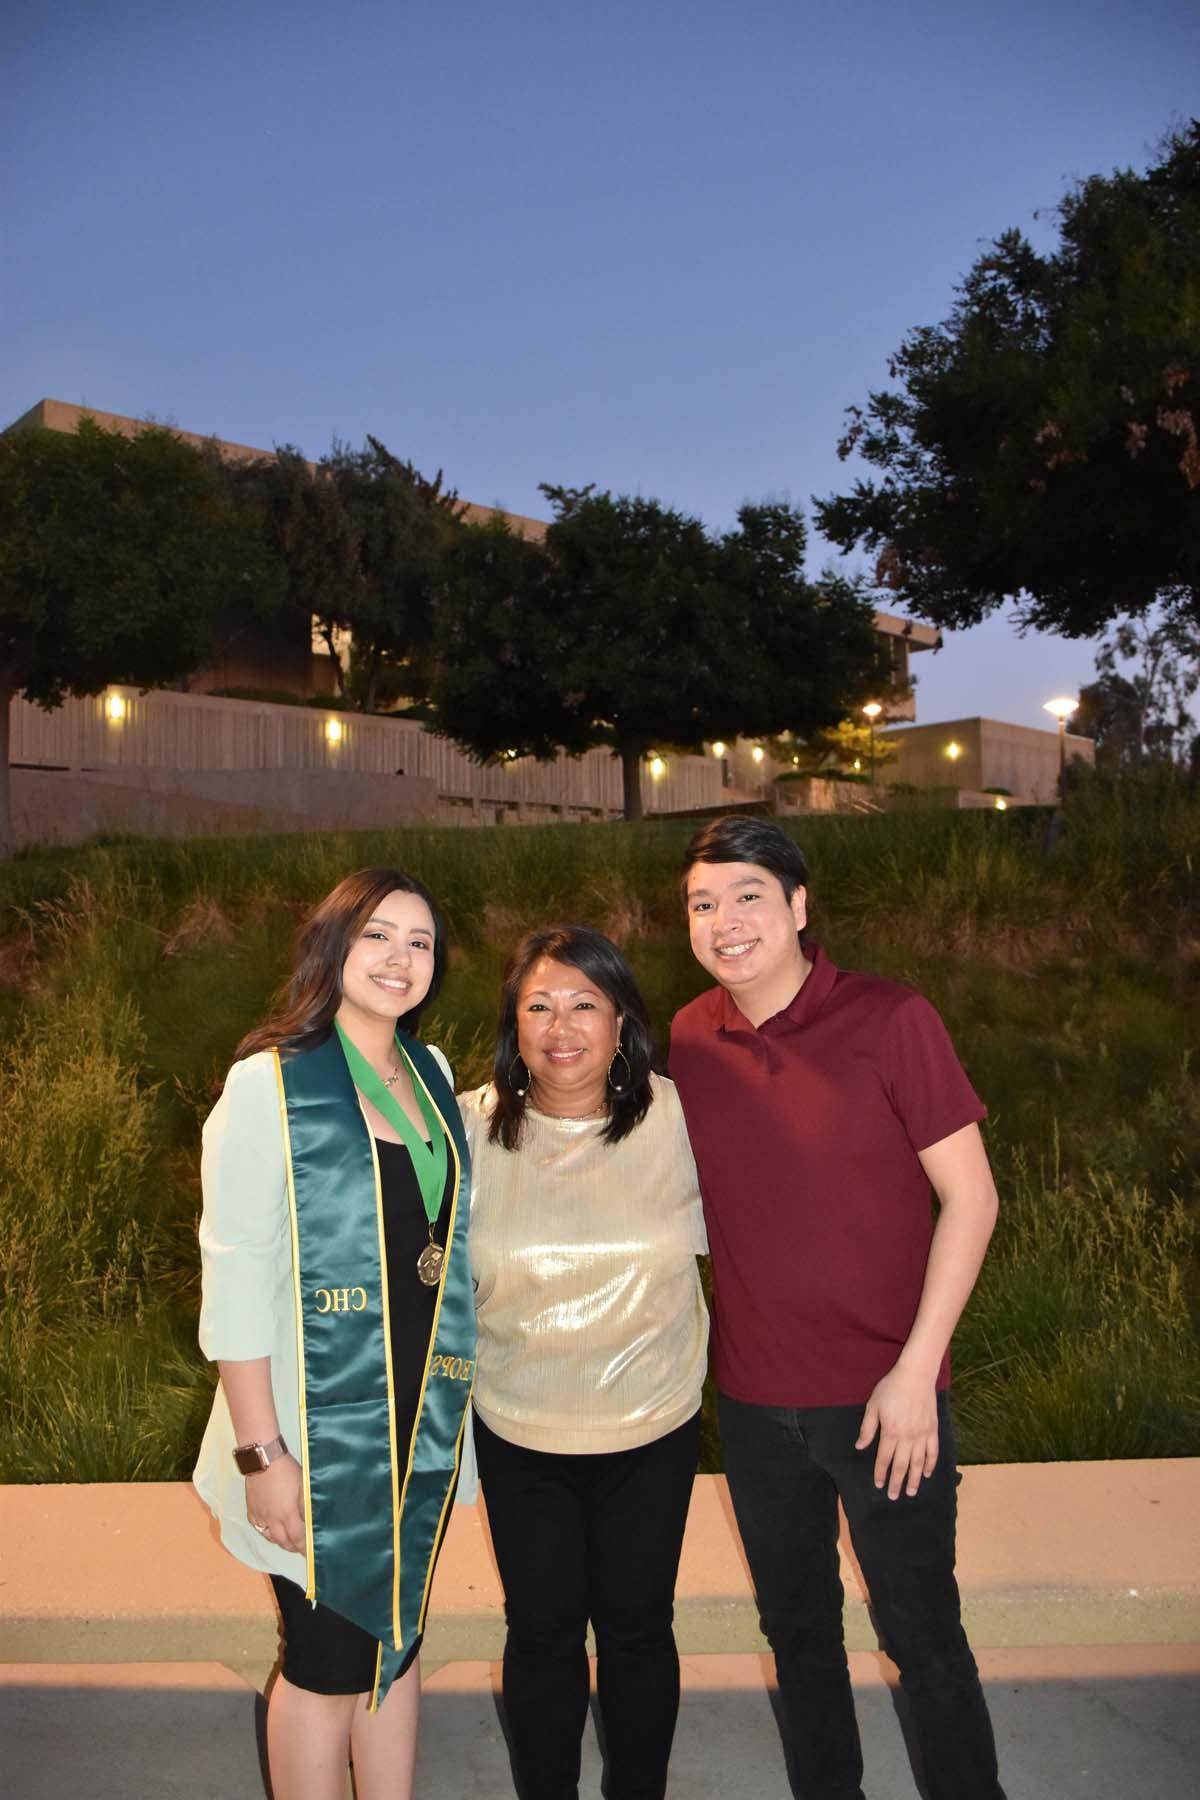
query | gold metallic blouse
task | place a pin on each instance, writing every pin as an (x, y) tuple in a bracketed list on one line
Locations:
[(593, 1332)]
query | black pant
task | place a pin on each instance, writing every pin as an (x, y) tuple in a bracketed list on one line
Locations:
[(599, 1537), (787, 1468)]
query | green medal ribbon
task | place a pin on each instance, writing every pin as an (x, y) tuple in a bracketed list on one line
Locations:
[(428, 1159)]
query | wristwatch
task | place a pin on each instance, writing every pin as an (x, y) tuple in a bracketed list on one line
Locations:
[(251, 1458)]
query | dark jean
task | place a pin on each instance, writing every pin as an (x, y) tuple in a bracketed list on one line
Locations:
[(787, 1468), (599, 1537)]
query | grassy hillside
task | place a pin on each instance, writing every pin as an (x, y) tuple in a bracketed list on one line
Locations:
[(1068, 974)]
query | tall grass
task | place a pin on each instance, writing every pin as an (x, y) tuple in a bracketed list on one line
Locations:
[(1079, 1341), (1066, 969), (91, 1276)]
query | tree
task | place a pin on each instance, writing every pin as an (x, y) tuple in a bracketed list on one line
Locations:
[(118, 559), (1144, 713), (632, 626), (494, 689), (850, 745), (310, 540), (1041, 442), (359, 540)]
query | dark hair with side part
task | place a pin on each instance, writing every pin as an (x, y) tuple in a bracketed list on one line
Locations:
[(742, 838), (597, 958), (304, 1015)]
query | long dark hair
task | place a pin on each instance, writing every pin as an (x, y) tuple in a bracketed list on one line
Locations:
[(304, 1015), (598, 959)]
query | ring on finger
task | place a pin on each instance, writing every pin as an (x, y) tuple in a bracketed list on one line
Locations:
[(263, 1530)]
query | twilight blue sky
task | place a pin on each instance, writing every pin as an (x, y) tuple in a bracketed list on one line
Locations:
[(656, 246)]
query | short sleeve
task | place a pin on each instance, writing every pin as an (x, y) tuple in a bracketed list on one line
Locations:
[(244, 1232), (668, 1098), (927, 1085), (475, 1110)]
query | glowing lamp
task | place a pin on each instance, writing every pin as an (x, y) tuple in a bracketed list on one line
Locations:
[(115, 708), (335, 731)]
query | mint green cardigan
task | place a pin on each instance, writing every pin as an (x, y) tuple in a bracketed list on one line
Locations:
[(248, 1305)]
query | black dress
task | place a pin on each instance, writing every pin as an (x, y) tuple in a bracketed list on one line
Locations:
[(323, 1652)]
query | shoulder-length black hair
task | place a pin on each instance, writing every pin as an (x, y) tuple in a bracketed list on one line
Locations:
[(598, 959), (304, 1015)]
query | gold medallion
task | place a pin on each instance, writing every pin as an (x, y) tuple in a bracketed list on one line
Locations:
[(429, 1263)]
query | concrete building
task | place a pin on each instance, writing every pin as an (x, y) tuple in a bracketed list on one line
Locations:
[(978, 755)]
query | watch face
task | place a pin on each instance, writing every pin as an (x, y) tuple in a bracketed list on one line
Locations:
[(250, 1459)]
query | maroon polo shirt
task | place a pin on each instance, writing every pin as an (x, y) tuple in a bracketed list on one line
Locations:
[(806, 1132)]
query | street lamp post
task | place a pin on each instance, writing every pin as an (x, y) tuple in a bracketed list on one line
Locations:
[(1062, 707), (872, 710)]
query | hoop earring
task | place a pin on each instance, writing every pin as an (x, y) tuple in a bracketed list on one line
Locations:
[(512, 1082), (618, 1087)]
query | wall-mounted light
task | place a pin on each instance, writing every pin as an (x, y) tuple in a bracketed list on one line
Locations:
[(953, 751), (758, 753), (115, 708), (719, 749), (1001, 804), (658, 768), (335, 731)]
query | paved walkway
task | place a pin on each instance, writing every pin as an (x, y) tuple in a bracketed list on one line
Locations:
[(1081, 1587), (1072, 1724)]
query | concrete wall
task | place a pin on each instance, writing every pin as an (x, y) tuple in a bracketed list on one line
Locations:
[(994, 754), (65, 807), (161, 737)]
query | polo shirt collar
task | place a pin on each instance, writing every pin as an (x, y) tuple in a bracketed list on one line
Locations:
[(801, 1009)]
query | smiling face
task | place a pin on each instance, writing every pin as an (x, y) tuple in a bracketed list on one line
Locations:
[(567, 1033), (389, 967), (744, 932)]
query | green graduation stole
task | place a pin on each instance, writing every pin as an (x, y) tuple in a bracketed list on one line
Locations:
[(375, 1509)]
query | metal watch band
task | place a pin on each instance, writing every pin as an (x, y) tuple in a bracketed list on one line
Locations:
[(252, 1458)]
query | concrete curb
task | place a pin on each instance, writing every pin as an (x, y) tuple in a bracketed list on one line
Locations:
[(1050, 1554)]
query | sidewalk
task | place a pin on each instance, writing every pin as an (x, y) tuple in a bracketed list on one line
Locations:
[(1099, 1724), (132, 1646)]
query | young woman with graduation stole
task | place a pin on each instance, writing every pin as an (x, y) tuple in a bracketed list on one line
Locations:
[(338, 1307)]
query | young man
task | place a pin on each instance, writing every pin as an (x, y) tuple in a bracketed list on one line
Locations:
[(822, 1107)]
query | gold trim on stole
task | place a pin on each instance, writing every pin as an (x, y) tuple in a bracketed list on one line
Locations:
[(393, 1446), (412, 1445), (310, 1588)]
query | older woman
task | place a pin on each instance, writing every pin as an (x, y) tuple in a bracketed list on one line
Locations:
[(337, 1306), (585, 1227)]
